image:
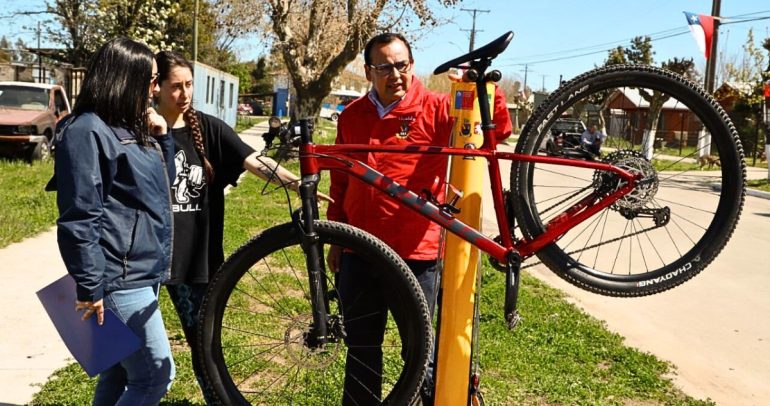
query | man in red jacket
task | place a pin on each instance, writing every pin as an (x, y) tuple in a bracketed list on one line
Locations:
[(397, 110)]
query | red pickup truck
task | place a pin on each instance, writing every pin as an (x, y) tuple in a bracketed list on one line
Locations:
[(28, 116)]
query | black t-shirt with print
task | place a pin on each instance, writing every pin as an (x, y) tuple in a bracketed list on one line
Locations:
[(189, 202), (199, 207)]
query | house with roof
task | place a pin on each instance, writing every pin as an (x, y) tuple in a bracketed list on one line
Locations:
[(630, 118), (729, 93)]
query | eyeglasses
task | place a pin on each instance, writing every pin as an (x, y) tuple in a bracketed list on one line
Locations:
[(387, 68)]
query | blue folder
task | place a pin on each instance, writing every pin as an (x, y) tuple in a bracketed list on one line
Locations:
[(95, 347)]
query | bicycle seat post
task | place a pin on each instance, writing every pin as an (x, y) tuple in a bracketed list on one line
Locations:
[(481, 92)]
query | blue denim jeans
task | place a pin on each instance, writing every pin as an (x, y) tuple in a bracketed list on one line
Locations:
[(144, 377)]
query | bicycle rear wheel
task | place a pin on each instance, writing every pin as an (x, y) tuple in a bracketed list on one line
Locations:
[(256, 341), (675, 222)]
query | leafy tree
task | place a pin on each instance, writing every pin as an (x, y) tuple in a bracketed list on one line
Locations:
[(22, 55), (180, 31), (616, 56), (318, 38), (5, 50), (748, 70), (89, 23), (243, 71), (640, 51), (260, 79)]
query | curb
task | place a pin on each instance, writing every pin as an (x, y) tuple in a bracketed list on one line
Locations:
[(749, 191)]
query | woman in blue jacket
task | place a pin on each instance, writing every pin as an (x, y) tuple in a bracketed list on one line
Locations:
[(115, 221)]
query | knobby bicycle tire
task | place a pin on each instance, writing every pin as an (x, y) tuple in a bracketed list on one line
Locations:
[(661, 236), (256, 315)]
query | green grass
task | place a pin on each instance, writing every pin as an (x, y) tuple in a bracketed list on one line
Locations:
[(557, 356), (760, 184), (27, 208), (246, 122), (561, 356)]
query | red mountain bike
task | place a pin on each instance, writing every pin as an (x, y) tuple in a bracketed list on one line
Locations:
[(641, 219)]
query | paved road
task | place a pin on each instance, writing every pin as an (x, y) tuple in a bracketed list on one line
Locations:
[(30, 347), (714, 328)]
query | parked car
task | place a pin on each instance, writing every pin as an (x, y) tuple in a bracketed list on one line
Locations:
[(28, 116), (563, 135), (244, 109), (336, 101)]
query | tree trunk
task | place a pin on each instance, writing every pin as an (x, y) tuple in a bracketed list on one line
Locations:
[(656, 101)]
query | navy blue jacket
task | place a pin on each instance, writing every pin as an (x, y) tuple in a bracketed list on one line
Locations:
[(115, 221)]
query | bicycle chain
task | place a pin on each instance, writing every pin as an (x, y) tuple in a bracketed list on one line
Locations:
[(567, 198)]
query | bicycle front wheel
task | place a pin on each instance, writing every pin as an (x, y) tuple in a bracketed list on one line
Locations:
[(257, 343), (677, 219)]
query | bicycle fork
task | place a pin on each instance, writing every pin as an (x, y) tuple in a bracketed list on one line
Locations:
[(314, 261), (318, 335)]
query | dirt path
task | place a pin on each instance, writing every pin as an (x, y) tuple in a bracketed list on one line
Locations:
[(31, 349)]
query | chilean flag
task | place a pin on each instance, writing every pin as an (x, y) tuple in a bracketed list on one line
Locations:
[(702, 28)]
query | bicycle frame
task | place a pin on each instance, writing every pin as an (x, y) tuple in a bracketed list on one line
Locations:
[(316, 158)]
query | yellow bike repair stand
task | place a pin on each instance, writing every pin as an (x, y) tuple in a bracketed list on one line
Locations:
[(461, 259)]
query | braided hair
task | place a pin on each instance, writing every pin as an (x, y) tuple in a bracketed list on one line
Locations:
[(168, 60), (191, 119)]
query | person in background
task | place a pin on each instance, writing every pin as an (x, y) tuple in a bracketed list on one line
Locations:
[(209, 157), (114, 225), (592, 139), (397, 110)]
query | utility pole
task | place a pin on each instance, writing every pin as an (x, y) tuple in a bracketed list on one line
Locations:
[(766, 115), (542, 89), (39, 57), (712, 61), (195, 33), (473, 28), (704, 137), (526, 68)]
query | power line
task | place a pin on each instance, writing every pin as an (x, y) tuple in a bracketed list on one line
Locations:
[(589, 47), (601, 51), (729, 21), (655, 36)]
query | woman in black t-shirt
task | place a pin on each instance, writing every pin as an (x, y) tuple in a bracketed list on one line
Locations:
[(209, 156)]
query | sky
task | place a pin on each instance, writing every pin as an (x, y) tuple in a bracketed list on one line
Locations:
[(548, 34)]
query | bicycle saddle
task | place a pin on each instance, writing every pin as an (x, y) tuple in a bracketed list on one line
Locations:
[(488, 51)]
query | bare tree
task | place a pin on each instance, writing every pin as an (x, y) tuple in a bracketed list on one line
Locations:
[(318, 38)]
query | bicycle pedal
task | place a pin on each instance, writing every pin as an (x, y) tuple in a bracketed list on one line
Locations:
[(512, 319)]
